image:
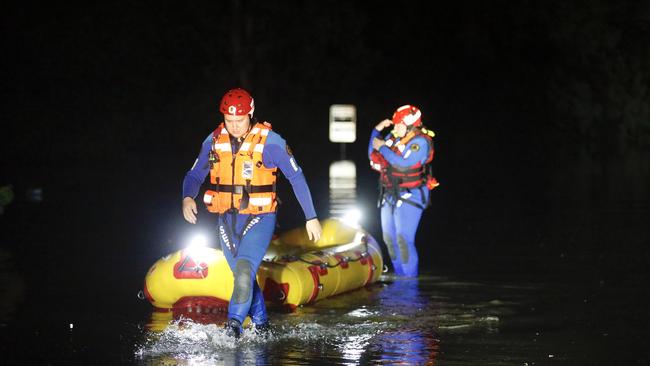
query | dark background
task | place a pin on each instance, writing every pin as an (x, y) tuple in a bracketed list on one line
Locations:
[(541, 110)]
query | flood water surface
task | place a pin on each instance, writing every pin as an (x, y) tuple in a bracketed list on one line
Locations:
[(425, 320), (452, 319), (540, 284)]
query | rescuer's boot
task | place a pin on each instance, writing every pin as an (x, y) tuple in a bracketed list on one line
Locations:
[(233, 328)]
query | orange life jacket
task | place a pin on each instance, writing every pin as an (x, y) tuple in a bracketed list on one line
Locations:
[(241, 181), (408, 177)]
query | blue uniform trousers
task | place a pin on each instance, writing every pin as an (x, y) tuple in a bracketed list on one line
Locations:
[(244, 240), (399, 223)]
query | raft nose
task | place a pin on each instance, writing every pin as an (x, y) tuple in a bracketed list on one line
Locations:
[(295, 270)]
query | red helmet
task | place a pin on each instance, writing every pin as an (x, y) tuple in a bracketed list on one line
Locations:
[(408, 115), (237, 102)]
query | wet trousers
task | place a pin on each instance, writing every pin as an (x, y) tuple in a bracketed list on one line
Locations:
[(244, 240), (399, 223)]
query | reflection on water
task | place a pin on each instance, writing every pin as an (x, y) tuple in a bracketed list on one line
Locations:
[(475, 320), (582, 304), (414, 321), (424, 321), (342, 187)]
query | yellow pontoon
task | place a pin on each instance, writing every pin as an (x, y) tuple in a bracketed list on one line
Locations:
[(295, 271)]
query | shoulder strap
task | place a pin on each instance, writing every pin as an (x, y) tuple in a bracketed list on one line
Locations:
[(428, 135), (217, 132)]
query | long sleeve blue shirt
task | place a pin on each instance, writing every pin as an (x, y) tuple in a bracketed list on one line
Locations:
[(411, 156), (275, 155)]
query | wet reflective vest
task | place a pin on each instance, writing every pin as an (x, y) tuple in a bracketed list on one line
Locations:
[(407, 177), (241, 181)]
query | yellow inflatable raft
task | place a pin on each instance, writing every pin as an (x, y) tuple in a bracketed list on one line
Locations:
[(295, 271)]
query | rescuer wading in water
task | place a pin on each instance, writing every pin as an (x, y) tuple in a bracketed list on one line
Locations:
[(403, 160), (242, 157)]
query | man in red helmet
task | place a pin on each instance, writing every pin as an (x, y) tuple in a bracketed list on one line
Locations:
[(403, 160), (242, 158)]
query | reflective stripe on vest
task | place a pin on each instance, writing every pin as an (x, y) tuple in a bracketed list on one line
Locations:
[(241, 181)]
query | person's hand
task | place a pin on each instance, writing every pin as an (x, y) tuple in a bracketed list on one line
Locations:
[(377, 143), (314, 229), (189, 210), (383, 124)]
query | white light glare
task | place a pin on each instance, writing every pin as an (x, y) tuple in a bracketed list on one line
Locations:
[(197, 247), (198, 241), (352, 217)]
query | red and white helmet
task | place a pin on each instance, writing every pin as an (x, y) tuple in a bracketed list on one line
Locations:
[(408, 115), (237, 102)]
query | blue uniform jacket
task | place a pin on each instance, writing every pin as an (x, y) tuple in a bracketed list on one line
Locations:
[(410, 157), (275, 155)]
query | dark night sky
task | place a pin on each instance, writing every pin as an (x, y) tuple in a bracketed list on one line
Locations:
[(105, 105)]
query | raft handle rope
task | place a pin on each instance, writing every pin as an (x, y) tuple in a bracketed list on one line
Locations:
[(323, 265)]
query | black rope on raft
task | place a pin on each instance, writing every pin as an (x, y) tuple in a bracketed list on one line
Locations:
[(338, 263), (323, 265)]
